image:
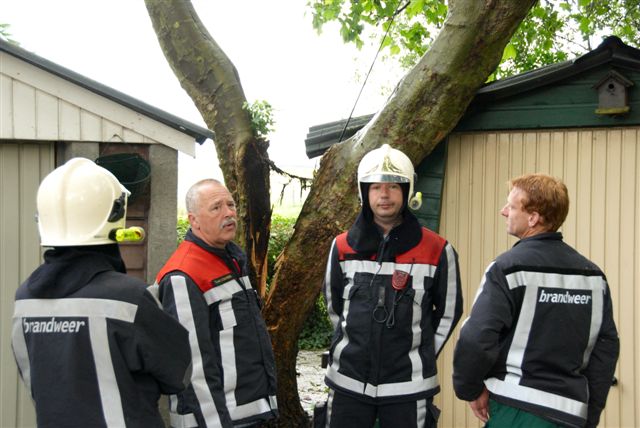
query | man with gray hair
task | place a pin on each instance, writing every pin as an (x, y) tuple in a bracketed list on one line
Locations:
[(205, 285)]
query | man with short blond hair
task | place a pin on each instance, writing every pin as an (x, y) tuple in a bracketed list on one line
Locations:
[(540, 346)]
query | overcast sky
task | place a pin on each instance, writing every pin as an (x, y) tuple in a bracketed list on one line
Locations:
[(308, 78)]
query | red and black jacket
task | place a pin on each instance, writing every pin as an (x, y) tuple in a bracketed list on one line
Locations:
[(234, 378), (393, 302)]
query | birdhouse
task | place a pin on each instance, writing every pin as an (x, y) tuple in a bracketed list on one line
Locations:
[(612, 94)]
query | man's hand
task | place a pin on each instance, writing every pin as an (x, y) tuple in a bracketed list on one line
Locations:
[(480, 406)]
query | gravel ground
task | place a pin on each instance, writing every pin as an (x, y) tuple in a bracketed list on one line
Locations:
[(311, 387)]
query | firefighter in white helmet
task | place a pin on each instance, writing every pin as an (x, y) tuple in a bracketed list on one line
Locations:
[(92, 345), (393, 295)]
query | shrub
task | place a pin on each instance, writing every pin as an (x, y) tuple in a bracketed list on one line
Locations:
[(317, 330), (281, 231), (182, 227)]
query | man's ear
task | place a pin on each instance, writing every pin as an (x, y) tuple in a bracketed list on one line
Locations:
[(535, 219), (192, 220)]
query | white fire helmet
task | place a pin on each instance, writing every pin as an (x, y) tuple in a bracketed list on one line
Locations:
[(388, 165), (80, 203)]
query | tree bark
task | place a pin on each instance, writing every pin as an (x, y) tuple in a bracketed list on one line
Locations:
[(212, 82), (424, 108)]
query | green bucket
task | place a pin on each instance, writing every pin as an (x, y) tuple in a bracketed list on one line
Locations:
[(131, 169)]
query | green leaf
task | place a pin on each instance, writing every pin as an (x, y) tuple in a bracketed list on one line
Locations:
[(415, 7), (509, 52)]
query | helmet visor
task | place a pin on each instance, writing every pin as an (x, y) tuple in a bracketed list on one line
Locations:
[(384, 178)]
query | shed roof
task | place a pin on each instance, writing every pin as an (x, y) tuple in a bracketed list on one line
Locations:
[(611, 51), (199, 133)]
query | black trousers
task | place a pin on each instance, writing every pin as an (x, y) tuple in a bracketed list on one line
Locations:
[(345, 411)]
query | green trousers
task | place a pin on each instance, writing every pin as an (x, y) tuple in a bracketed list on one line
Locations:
[(503, 416)]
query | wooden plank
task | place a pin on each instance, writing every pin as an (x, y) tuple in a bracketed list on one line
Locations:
[(6, 107), (46, 116), (32, 158), (9, 279), (630, 135), (21, 172), (556, 155), (627, 327), (69, 125), (598, 173), (112, 132), (132, 136), (543, 152), (24, 111), (570, 168), (530, 147), (505, 173), (583, 194), (517, 152), (491, 205), (90, 126), (611, 247)]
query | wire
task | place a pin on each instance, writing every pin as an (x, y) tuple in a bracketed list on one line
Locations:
[(395, 13)]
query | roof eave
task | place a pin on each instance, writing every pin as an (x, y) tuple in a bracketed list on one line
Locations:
[(199, 133)]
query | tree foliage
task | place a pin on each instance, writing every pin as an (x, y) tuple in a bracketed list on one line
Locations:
[(262, 121), (553, 31), (5, 34)]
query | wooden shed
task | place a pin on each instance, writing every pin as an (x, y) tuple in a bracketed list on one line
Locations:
[(578, 120), (49, 114)]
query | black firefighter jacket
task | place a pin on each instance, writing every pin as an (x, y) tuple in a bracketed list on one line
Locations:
[(234, 378), (541, 334), (393, 302), (92, 345)]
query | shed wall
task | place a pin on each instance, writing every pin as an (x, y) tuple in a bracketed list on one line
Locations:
[(22, 167), (601, 170)]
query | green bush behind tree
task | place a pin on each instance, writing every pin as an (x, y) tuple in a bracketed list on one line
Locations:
[(316, 332)]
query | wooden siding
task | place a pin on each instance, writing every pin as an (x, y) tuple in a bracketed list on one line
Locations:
[(601, 170), (37, 105), (22, 167), (567, 103)]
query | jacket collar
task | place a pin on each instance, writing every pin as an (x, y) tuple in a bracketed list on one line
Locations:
[(552, 236), (67, 269), (231, 254), (367, 239)]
